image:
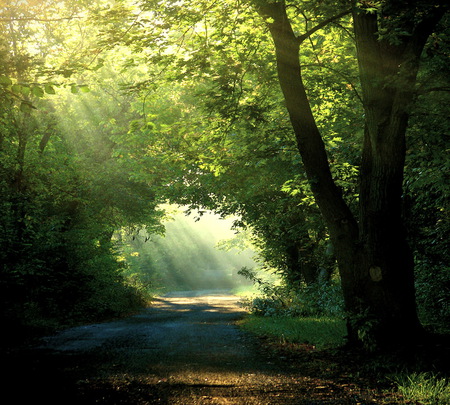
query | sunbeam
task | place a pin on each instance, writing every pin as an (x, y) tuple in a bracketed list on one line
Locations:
[(187, 256)]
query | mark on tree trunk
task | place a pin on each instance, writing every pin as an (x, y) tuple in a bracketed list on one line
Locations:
[(376, 273)]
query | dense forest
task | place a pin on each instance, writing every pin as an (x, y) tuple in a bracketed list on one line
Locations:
[(321, 126)]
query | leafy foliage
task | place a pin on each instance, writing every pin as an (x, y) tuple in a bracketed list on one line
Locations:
[(318, 299), (63, 195), (427, 194)]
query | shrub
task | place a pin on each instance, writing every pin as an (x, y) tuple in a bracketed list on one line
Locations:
[(318, 299), (433, 294)]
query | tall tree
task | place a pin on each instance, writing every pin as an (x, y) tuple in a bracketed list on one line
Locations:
[(192, 43), (375, 262)]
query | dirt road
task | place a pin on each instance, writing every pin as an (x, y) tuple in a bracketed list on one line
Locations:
[(183, 350)]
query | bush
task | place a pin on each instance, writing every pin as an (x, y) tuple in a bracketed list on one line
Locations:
[(59, 283), (318, 299), (433, 295)]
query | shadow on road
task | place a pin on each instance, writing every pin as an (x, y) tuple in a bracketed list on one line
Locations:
[(184, 349)]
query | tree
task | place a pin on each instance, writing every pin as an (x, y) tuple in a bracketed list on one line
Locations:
[(427, 192), (375, 261), (193, 42), (64, 190)]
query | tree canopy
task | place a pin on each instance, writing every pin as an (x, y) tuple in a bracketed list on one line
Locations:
[(321, 125)]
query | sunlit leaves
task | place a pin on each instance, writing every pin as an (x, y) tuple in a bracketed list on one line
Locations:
[(75, 89), (370, 7)]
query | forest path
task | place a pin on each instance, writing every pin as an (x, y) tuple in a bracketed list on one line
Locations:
[(182, 350)]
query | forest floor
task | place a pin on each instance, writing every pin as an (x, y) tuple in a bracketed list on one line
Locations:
[(184, 350)]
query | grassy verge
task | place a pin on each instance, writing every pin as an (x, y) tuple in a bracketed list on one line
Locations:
[(424, 388), (419, 388), (319, 332)]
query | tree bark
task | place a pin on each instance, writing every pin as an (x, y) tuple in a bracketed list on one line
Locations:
[(388, 70)]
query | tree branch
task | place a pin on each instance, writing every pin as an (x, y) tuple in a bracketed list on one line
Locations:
[(432, 89), (319, 26)]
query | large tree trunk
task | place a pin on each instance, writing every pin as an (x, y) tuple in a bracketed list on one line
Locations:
[(375, 263), (388, 70)]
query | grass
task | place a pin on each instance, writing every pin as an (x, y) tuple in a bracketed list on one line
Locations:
[(419, 388), (424, 388), (319, 332)]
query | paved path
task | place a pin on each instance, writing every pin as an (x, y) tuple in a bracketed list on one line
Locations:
[(177, 335), (183, 350)]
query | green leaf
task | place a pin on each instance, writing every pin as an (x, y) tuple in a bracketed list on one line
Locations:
[(16, 88), (25, 90), (26, 107), (49, 89), (6, 81), (85, 89), (37, 91), (74, 89)]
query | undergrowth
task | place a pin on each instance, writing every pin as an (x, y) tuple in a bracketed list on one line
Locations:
[(319, 332), (424, 388), (313, 315), (318, 299)]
